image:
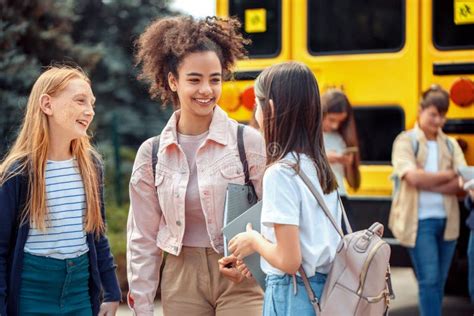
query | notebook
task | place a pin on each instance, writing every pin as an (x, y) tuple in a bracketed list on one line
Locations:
[(238, 225)]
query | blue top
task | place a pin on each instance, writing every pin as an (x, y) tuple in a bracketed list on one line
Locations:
[(103, 280), (469, 203)]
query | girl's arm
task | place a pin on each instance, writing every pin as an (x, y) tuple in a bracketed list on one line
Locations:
[(450, 187), (281, 210), (8, 208), (143, 256), (429, 181), (285, 254), (105, 260)]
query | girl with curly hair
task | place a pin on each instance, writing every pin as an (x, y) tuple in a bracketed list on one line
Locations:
[(177, 203)]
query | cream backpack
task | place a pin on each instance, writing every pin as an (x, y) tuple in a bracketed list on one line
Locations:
[(359, 282)]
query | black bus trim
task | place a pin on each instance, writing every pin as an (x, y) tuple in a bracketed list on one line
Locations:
[(443, 69)]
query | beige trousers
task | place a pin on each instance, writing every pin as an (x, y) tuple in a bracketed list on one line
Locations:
[(192, 285)]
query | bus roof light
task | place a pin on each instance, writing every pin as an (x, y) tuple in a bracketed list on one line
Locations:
[(462, 92)]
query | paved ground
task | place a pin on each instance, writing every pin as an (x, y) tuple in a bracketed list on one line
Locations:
[(404, 284)]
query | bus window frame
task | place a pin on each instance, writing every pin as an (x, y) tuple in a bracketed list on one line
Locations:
[(279, 37), (436, 45), (358, 52)]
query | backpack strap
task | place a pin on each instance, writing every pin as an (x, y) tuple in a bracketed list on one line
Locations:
[(242, 154), (312, 298), (154, 154), (415, 144), (323, 205), (450, 146)]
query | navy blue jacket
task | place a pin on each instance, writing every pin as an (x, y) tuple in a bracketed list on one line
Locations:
[(103, 283), (469, 203)]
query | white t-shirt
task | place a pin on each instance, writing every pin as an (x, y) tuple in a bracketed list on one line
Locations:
[(431, 204), (287, 200), (334, 142)]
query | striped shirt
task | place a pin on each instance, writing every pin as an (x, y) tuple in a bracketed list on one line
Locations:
[(65, 236)]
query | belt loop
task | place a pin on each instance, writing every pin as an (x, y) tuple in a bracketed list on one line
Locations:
[(295, 287)]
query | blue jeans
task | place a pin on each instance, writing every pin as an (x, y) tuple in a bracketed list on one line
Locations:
[(431, 258), (470, 259), (280, 298)]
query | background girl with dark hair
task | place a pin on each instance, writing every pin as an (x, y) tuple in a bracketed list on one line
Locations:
[(340, 138), (425, 212), (295, 230), (178, 208)]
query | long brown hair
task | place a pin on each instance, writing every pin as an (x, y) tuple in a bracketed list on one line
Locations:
[(295, 122), (29, 153), (336, 101)]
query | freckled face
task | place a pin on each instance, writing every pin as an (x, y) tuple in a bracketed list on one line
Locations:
[(72, 110)]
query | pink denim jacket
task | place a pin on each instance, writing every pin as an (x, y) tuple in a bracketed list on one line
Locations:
[(157, 206)]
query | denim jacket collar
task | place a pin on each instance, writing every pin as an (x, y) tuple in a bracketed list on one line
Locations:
[(217, 129)]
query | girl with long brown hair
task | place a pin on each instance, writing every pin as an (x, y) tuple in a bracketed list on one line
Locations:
[(51, 200), (295, 230), (340, 140)]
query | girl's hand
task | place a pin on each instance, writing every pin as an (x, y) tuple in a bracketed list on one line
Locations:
[(243, 244), (108, 308), (240, 265), (228, 268)]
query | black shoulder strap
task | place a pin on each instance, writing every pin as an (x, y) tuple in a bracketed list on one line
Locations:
[(243, 156), (154, 153)]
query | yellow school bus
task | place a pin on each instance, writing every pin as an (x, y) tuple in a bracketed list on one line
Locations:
[(383, 54)]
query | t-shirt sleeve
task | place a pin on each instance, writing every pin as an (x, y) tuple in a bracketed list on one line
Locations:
[(281, 201)]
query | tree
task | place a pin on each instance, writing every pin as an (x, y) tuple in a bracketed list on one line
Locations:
[(115, 25), (34, 33)]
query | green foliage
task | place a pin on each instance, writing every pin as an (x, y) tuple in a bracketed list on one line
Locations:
[(34, 34), (116, 25)]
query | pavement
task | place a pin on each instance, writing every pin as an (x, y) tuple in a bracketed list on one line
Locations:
[(405, 304)]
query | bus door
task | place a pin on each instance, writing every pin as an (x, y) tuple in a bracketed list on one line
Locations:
[(267, 24), (369, 49), (448, 59)]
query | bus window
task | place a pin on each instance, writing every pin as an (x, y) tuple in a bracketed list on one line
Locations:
[(377, 128), (265, 16), (355, 26), (446, 34)]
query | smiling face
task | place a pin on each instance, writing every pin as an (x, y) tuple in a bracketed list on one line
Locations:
[(71, 110), (199, 84), (431, 121)]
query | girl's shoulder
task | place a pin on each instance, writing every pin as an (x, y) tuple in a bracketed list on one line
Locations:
[(281, 170)]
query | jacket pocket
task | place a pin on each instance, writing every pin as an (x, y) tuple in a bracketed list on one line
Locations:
[(232, 171)]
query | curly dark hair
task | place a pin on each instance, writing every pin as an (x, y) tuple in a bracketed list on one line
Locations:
[(166, 42)]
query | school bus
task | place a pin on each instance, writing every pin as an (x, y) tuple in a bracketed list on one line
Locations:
[(383, 54)]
